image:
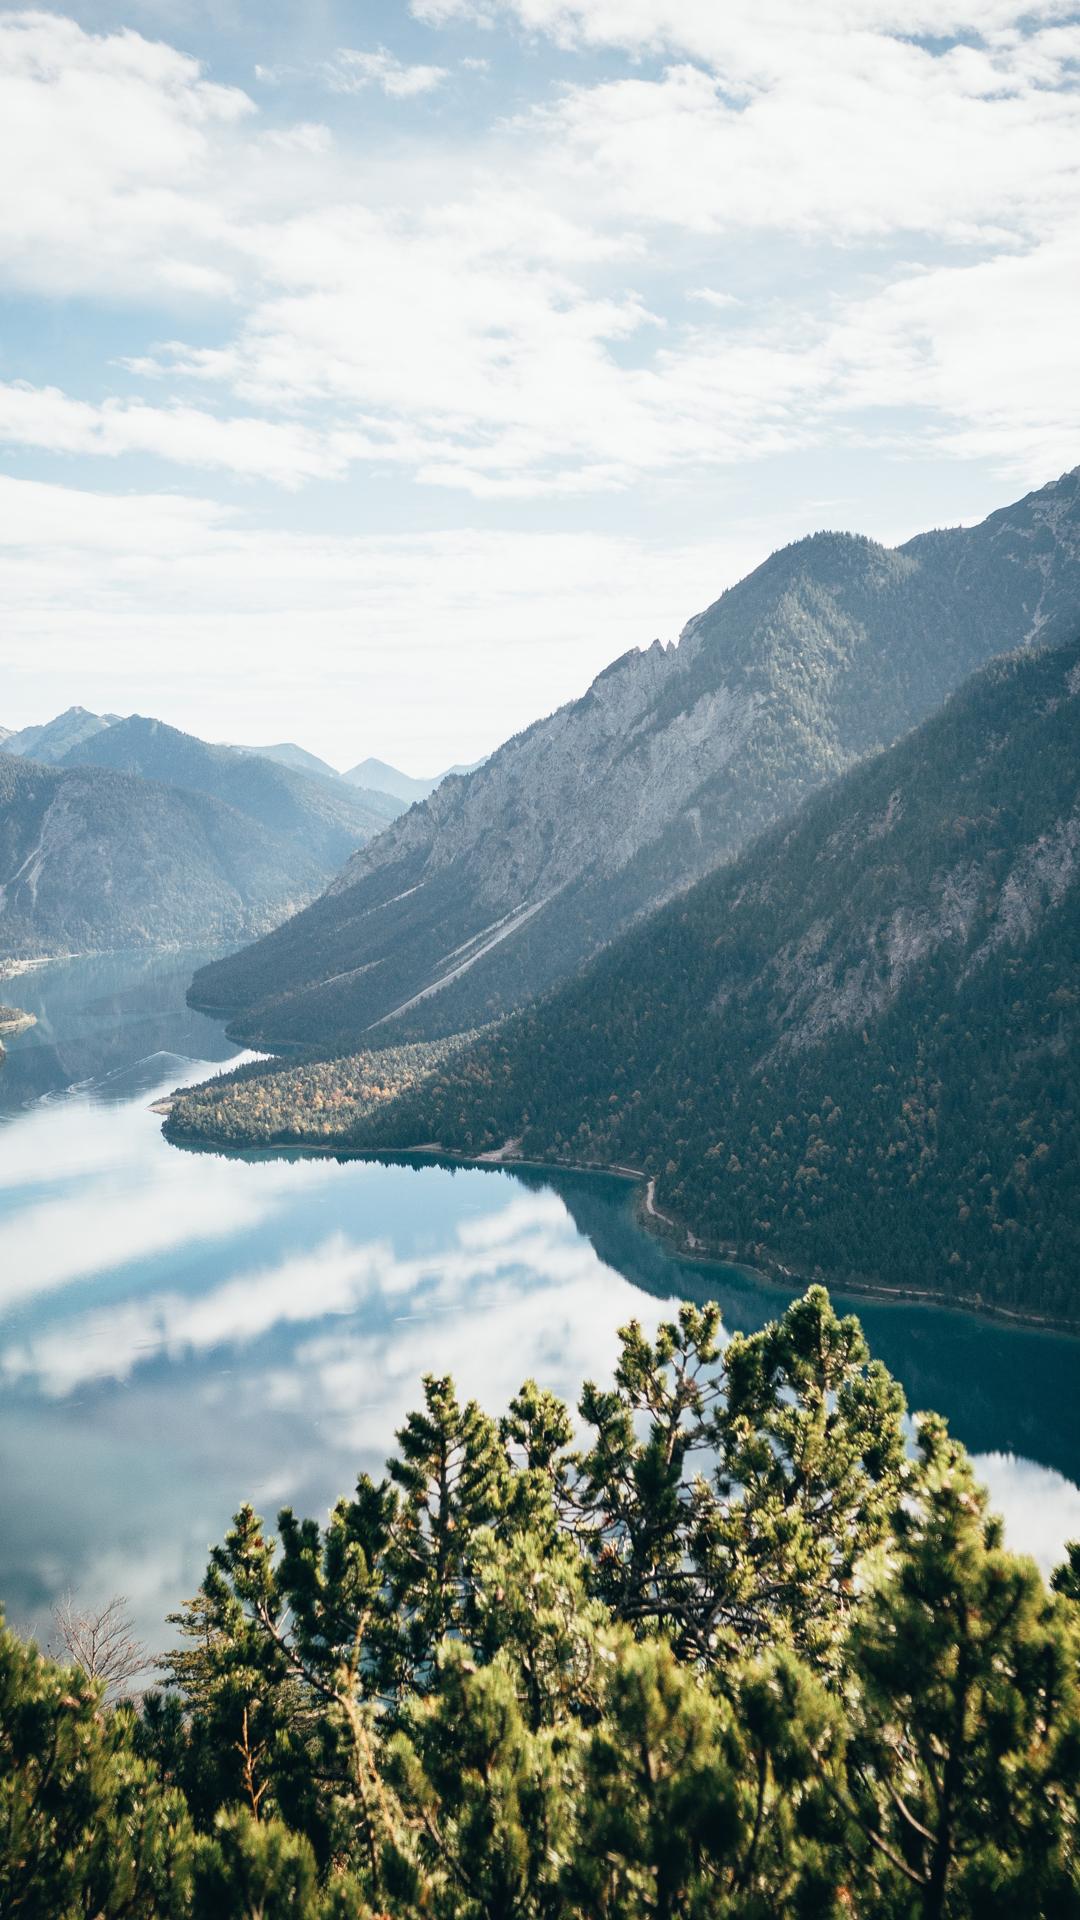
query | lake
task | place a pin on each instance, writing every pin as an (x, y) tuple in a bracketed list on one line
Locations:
[(181, 1331)]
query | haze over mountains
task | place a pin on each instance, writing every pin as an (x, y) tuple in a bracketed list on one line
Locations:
[(92, 860), (55, 741), (290, 755), (93, 865), (144, 835), (327, 818), (376, 773), (504, 880)]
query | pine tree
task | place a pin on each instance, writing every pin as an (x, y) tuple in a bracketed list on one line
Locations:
[(964, 1759)]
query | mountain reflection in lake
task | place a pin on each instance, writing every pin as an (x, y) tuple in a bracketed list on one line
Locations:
[(180, 1331)]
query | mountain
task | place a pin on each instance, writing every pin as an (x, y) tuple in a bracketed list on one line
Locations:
[(376, 775), (854, 1053), (50, 742), (503, 881), (92, 860), (322, 820), (386, 779), (288, 754)]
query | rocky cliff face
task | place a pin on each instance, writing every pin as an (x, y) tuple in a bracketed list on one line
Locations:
[(505, 880)]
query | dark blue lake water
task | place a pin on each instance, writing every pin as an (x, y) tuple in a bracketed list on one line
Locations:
[(180, 1331)]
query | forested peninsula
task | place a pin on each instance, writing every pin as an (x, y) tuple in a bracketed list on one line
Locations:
[(740, 1652), (13, 1020)]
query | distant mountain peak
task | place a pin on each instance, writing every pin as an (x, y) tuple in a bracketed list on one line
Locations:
[(54, 739), (383, 778)]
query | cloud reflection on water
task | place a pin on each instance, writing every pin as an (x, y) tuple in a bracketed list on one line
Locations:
[(179, 1332)]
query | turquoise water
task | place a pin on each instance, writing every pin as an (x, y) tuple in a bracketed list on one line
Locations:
[(179, 1331)]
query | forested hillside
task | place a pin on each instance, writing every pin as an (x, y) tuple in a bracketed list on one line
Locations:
[(855, 1051), (316, 1102), (503, 881), (740, 1655)]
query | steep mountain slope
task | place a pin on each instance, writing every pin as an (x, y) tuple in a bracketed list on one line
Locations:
[(49, 742), (92, 860), (505, 880), (856, 1050), (323, 819)]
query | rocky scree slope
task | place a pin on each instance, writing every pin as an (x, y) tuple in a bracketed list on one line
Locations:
[(855, 1050), (506, 880), (92, 860)]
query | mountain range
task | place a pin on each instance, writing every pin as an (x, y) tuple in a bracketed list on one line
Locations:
[(120, 833), (387, 789), (852, 1053), (92, 860), (325, 818), (506, 879)]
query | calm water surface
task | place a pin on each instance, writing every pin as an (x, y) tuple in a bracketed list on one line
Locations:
[(179, 1331)]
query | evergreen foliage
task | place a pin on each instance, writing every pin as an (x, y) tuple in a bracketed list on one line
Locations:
[(737, 1654)]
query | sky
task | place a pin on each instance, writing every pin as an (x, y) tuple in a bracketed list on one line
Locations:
[(373, 374)]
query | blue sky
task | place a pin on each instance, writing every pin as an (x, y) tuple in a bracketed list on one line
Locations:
[(371, 375)]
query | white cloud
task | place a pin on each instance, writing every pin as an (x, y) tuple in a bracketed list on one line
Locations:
[(274, 450), (988, 352), (116, 143), (105, 593), (844, 141), (810, 232), (478, 325), (1040, 1507), (351, 71), (746, 36)]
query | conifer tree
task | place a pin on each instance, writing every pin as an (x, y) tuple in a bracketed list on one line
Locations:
[(738, 1658), (963, 1757)]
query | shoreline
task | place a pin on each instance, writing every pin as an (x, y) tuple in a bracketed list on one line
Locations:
[(13, 969), (678, 1239), (16, 1020)]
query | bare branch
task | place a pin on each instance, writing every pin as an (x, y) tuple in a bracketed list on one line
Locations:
[(102, 1643)]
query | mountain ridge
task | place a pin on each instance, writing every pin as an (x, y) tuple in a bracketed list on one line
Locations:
[(507, 879), (853, 1053), (324, 817)]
